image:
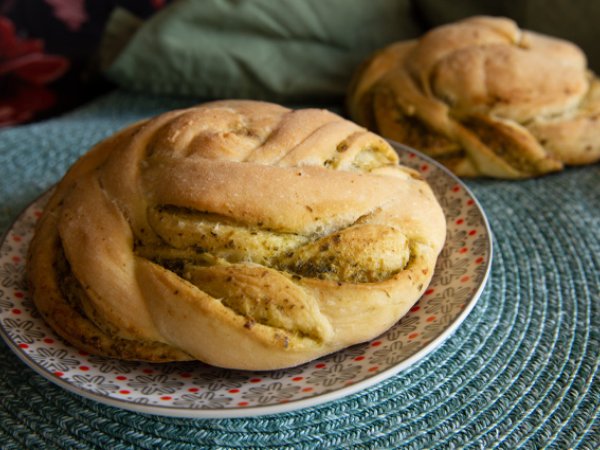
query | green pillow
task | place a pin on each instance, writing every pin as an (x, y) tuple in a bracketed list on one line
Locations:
[(277, 50)]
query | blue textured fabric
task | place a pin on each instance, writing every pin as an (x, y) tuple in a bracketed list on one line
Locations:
[(520, 372)]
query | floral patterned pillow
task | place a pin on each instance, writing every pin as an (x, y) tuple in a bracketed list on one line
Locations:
[(47, 54)]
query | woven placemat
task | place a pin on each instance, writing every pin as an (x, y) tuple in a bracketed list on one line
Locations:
[(520, 372)]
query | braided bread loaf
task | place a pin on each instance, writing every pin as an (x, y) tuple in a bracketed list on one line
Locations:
[(485, 98), (239, 233)]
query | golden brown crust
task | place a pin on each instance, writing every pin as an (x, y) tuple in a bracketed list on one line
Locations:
[(449, 92), (238, 233)]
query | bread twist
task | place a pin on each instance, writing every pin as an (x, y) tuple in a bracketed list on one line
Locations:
[(485, 98), (239, 233)]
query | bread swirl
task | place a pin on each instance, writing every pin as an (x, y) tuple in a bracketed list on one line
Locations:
[(239, 233), (485, 98)]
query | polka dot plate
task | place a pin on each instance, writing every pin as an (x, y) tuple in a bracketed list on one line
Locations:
[(197, 390)]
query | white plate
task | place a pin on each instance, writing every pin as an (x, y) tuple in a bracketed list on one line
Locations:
[(197, 390)]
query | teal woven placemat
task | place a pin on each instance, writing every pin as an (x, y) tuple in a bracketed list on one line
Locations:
[(520, 372)]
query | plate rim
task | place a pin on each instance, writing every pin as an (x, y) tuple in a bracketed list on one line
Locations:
[(293, 405)]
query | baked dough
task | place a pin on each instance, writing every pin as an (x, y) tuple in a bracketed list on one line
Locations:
[(239, 233), (485, 98)]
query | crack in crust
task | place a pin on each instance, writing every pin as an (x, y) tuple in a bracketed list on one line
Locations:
[(238, 233)]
